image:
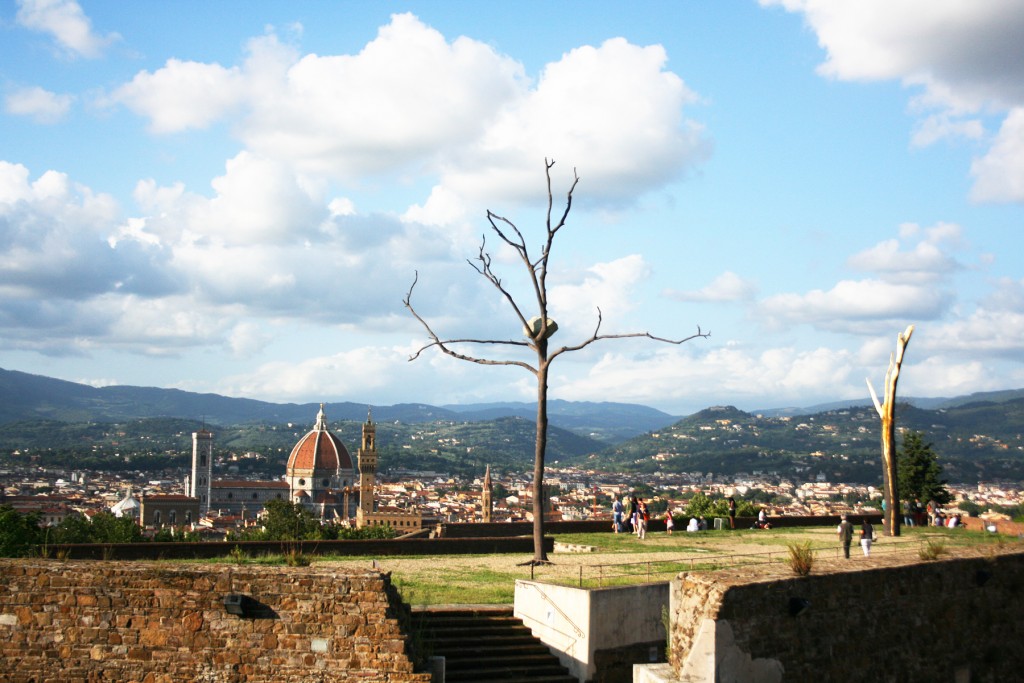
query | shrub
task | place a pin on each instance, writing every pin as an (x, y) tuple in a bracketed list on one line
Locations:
[(801, 558), (931, 549)]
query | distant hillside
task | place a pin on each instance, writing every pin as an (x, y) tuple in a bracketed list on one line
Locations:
[(974, 441), (26, 397), (925, 403)]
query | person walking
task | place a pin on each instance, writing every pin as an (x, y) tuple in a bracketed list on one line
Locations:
[(641, 521), (867, 534), (845, 531), (732, 512)]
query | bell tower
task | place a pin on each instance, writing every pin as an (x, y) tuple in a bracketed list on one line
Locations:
[(367, 459), (202, 469), (486, 497)]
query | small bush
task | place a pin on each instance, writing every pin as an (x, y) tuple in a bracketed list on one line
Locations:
[(801, 558), (294, 558), (238, 555), (932, 549)]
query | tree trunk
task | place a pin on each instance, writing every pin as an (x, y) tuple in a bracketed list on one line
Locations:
[(886, 411), (539, 554)]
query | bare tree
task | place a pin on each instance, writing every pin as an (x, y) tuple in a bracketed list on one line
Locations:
[(886, 411), (537, 329)]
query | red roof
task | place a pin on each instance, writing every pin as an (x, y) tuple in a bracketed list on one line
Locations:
[(320, 449)]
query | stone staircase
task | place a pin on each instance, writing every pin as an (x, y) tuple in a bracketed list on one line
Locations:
[(485, 644)]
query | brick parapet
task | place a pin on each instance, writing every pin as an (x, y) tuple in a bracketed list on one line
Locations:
[(72, 621)]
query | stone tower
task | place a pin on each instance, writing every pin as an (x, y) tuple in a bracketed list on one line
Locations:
[(367, 463), (202, 469), (486, 497)]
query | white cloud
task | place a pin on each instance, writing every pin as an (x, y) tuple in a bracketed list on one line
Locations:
[(608, 286), (999, 175), (925, 263), (67, 23), (42, 106), (856, 306), (964, 57), (182, 95), (726, 287)]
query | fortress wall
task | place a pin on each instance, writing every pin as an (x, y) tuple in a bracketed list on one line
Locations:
[(151, 623), (957, 619)]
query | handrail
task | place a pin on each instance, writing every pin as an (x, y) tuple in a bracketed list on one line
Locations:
[(544, 596)]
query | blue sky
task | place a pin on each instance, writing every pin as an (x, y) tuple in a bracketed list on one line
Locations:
[(234, 197)]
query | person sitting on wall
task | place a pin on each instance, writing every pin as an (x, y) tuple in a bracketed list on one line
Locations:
[(694, 525), (762, 521)]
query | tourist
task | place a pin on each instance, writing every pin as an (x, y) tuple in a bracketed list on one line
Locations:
[(670, 523), (634, 510), (641, 520), (908, 513), (867, 535), (702, 524), (732, 512), (694, 525), (616, 514), (762, 520), (845, 531)]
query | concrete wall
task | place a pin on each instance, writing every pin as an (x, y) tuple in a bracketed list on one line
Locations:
[(952, 620), (598, 634), (78, 622)]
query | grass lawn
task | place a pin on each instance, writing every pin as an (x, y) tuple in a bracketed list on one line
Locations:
[(624, 559)]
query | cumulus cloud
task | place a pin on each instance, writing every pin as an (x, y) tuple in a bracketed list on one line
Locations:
[(962, 57), (182, 95), (856, 306), (42, 106), (67, 23), (999, 175), (726, 287)]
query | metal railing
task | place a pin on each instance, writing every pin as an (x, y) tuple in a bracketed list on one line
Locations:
[(649, 571)]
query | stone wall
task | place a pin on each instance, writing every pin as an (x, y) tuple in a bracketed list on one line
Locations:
[(952, 620), (151, 623)]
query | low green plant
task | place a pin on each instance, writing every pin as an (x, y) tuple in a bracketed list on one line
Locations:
[(238, 555), (801, 558), (932, 549), (294, 558)]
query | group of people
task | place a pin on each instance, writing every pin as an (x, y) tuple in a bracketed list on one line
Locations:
[(916, 513), (867, 535), (637, 514)]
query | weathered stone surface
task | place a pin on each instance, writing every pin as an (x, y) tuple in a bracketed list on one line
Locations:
[(107, 621), (947, 620)]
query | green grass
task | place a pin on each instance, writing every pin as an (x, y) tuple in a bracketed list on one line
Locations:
[(458, 586)]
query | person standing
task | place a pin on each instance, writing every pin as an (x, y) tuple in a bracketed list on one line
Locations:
[(616, 514), (641, 521), (845, 531), (732, 512), (867, 534), (670, 523)]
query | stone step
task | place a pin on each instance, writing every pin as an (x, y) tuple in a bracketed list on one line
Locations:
[(486, 644)]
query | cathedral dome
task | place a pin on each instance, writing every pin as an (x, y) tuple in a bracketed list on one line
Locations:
[(320, 449)]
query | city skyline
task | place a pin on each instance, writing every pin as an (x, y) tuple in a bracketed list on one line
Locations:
[(236, 199)]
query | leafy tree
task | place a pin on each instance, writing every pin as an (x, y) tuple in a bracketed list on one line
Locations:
[(970, 507), (106, 528), (72, 529), (538, 329), (284, 520), (19, 533), (920, 472), (699, 505)]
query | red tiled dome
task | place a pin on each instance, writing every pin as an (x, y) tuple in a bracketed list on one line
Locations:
[(319, 449)]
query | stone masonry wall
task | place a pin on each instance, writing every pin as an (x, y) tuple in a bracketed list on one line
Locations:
[(952, 620), (151, 623)]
